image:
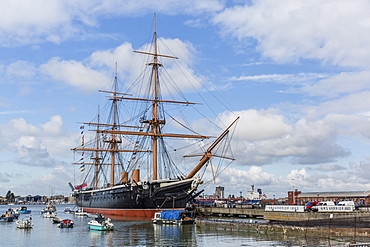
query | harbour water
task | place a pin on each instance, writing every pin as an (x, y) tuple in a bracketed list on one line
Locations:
[(141, 232)]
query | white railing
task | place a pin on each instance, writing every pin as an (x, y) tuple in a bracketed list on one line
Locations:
[(335, 208), (284, 208)]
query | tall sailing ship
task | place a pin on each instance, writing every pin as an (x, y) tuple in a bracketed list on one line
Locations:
[(121, 150)]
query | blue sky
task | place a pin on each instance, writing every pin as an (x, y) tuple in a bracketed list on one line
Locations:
[(296, 72)]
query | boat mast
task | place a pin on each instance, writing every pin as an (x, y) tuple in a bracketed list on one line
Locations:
[(114, 128), (97, 158), (155, 122)]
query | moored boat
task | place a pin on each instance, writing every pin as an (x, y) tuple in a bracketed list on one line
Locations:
[(13, 212), (57, 220), (24, 224), (68, 210), (120, 153), (24, 210), (49, 215), (100, 223), (80, 212), (6, 217), (174, 217), (66, 223), (49, 208)]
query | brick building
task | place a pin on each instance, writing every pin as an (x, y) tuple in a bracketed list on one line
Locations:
[(359, 197)]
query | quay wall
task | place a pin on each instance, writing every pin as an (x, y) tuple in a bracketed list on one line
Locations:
[(317, 224), (322, 231), (283, 216)]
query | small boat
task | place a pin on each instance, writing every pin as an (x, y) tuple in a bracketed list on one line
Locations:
[(66, 223), (24, 224), (68, 210), (101, 223), (13, 212), (6, 217), (80, 212), (49, 208), (24, 210), (174, 217), (57, 220), (49, 215)]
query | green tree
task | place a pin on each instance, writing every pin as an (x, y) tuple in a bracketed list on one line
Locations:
[(10, 196)]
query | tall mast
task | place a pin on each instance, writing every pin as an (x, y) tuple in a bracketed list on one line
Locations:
[(97, 158), (155, 124), (114, 128)]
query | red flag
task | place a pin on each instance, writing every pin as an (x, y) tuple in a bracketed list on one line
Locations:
[(81, 186)]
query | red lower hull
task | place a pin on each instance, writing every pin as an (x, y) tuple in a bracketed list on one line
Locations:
[(124, 213)]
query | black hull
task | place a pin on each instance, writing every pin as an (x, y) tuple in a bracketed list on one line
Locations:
[(148, 196)]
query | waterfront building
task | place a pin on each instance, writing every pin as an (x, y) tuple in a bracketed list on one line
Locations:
[(220, 192), (359, 197)]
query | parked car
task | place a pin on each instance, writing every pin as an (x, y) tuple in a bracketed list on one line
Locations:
[(308, 206), (347, 203), (326, 203)]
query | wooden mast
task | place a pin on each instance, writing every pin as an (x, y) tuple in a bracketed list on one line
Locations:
[(208, 154), (114, 128), (155, 124), (97, 158)]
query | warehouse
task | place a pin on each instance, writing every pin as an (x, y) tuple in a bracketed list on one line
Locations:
[(359, 197)]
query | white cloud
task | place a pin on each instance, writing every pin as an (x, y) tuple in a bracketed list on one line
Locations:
[(351, 104), (34, 145), (329, 167), (137, 7), (75, 73), (23, 69), (91, 74), (23, 22), (293, 30), (260, 125), (53, 127), (119, 55), (56, 180), (241, 180), (266, 137), (22, 127), (340, 85)]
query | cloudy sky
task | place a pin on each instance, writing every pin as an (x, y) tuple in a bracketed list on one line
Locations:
[(296, 72)]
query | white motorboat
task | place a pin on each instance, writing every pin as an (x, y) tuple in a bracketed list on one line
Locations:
[(49, 215), (24, 224), (101, 223)]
